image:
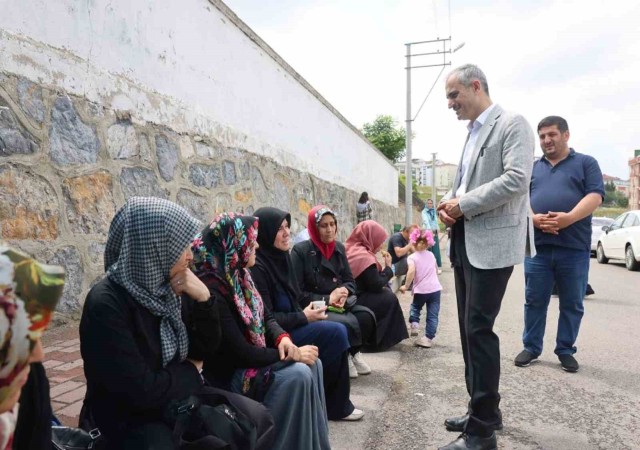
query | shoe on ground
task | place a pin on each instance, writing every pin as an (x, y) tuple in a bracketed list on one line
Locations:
[(423, 342), (525, 358), (590, 290), (459, 422), (353, 372), (439, 271), (362, 368), (569, 363), (414, 329), (472, 442), (356, 415)]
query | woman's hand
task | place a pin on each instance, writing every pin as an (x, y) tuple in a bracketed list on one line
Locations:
[(313, 315), (196, 363), (308, 354), (338, 297), (287, 350), (186, 282), (403, 288), (15, 388), (387, 259)]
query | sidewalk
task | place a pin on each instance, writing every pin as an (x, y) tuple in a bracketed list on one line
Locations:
[(65, 372)]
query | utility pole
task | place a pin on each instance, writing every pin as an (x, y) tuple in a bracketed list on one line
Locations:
[(433, 179), (445, 49)]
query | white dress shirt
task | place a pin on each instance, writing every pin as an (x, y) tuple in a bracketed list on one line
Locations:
[(474, 131)]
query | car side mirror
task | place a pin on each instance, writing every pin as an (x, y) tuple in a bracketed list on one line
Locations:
[(605, 228)]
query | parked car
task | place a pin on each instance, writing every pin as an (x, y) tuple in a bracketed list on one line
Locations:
[(596, 230), (621, 240)]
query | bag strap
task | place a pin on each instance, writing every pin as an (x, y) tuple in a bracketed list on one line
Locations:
[(183, 420)]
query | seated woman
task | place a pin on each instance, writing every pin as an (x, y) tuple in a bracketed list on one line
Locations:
[(253, 344), (273, 277), (367, 239), (133, 340), (322, 273)]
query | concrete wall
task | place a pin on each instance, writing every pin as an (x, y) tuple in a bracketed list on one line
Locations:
[(100, 101)]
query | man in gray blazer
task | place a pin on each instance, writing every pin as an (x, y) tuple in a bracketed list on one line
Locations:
[(491, 232)]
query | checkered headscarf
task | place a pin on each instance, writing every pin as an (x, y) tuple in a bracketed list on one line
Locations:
[(146, 238)]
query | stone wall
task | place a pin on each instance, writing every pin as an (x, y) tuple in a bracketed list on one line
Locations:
[(67, 164)]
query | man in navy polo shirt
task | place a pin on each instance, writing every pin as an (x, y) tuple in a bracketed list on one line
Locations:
[(566, 187)]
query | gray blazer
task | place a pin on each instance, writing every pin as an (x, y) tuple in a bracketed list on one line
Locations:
[(498, 229)]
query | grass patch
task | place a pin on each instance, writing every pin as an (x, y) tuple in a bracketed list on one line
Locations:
[(607, 211)]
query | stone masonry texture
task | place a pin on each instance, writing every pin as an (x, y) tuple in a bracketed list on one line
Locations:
[(67, 165)]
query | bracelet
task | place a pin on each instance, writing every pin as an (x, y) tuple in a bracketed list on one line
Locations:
[(281, 337)]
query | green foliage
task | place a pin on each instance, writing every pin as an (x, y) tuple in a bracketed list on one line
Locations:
[(414, 185), (385, 134), (614, 198)]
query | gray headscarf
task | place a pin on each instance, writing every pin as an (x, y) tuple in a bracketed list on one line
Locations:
[(146, 238)]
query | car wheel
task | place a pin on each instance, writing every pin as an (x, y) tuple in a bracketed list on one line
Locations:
[(630, 259), (600, 254)]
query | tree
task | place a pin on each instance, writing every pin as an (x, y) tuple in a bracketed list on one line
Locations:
[(385, 134)]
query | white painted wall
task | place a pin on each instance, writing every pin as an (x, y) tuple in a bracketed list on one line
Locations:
[(186, 64)]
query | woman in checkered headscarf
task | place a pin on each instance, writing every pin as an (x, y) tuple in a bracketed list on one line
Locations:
[(134, 342)]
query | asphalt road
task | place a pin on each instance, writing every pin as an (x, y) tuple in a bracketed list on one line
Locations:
[(412, 390)]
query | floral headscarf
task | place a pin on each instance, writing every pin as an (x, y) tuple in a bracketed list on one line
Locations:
[(220, 255), (29, 292), (362, 244), (313, 222)]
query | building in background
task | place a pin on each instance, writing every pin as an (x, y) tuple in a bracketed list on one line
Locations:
[(422, 173), (621, 185), (634, 181)]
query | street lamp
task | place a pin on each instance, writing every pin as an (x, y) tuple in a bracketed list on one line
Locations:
[(444, 51)]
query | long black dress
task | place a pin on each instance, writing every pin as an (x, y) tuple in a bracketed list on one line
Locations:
[(374, 293)]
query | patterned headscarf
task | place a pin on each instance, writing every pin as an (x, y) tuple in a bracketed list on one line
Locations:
[(365, 239), (313, 222), (220, 255), (146, 238)]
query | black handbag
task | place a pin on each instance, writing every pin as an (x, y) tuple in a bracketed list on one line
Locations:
[(67, 438), (265, 377), (210, 421)]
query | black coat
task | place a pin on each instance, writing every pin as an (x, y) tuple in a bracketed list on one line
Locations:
[(318, 277), (120, 345), (235, 352), (268, 290)]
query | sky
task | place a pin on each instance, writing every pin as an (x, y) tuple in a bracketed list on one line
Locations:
[(576, 59)]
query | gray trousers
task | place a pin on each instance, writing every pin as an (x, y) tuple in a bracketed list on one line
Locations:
[(296, 401)]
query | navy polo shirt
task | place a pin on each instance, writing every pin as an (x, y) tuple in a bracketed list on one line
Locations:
[(560, 188)]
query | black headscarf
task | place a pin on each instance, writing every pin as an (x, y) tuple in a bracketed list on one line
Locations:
[(273, 261)]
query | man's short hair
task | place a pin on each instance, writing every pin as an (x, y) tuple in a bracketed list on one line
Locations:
[(469, 72), (554, 120), (408, 228)]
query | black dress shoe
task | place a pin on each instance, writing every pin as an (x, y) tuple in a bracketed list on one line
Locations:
[(458, 423), (472, 442)]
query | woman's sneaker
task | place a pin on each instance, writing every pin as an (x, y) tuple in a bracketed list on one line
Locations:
[(361, 367), (414, 329), (424, 342), (356, 415), (353, 372)]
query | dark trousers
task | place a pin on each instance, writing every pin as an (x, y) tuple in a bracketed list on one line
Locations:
[(337, 387), (479, 295)]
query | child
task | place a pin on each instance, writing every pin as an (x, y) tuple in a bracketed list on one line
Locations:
[(426, 287)]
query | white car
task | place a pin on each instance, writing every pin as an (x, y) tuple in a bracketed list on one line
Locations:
[(621, 240), (596, 231)]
